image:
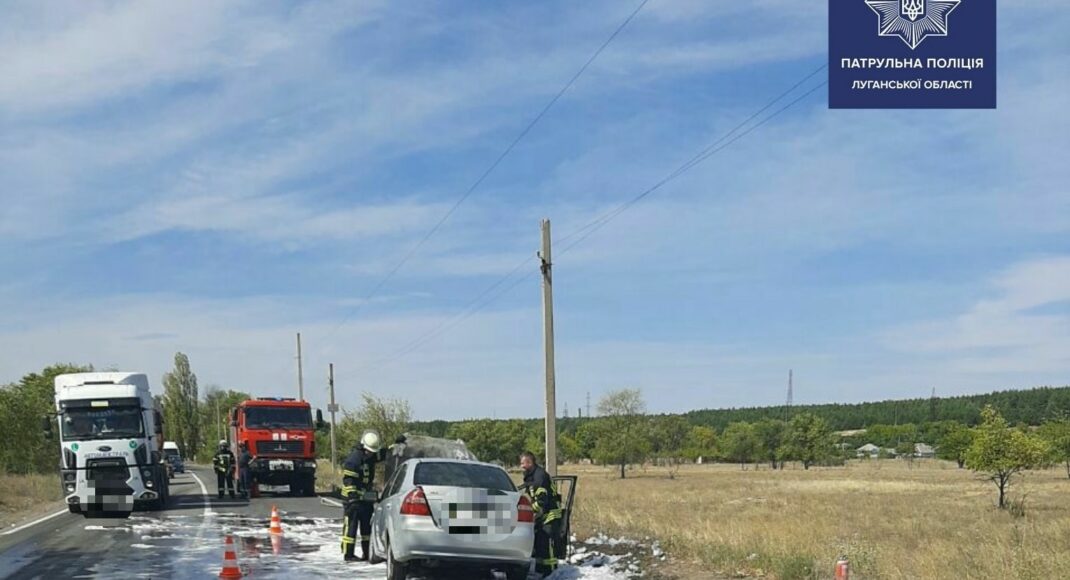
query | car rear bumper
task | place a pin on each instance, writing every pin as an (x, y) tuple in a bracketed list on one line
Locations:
[(422, 540)]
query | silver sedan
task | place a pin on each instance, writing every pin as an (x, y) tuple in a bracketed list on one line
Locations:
[(448, 513)]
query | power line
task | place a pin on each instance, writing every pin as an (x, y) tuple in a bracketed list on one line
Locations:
[(486, 297), (489, 170), (600, 222)]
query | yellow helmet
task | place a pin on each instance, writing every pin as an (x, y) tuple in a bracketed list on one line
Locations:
[(370, 441)]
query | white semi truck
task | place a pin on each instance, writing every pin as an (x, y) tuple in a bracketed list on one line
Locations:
[(111, 441)]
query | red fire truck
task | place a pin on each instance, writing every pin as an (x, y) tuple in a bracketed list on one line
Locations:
[(282, 440)]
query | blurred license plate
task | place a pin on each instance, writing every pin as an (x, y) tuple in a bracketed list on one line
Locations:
[(281, 465), (469, 510)]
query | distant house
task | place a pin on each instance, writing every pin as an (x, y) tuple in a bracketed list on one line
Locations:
[(924, 451), (869, 450)]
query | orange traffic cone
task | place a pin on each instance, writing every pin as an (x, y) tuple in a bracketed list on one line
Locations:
[(276, 523), (230, 560), (843, 569), (276, 544)]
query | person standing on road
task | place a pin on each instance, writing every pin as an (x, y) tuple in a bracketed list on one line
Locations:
[(358, 475), (546, 502), (244, 459), (224, 468)]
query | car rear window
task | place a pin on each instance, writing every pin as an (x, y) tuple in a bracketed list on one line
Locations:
[(462, 475)]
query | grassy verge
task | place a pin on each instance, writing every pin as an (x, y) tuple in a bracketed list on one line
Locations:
[(22, 495), (928, 520)]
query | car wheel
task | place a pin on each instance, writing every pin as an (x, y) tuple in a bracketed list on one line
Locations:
[(518, 572), (394, 570), (373, 554)]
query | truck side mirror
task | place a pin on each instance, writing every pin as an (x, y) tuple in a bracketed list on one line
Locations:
[(46, 426), (320, 423), (233, 418)]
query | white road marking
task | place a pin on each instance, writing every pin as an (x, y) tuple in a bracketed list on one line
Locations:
[(329, 501), (33, 523), (204, 490)]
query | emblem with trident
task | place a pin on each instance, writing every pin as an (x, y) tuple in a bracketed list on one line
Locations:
[(912, 9)]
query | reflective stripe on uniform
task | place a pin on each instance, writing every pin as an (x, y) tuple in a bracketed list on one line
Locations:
[(348, 473), (552, 515)]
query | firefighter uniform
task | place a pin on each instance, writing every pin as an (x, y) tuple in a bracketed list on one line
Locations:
[(223, 461), (357, 477), (546, 502)]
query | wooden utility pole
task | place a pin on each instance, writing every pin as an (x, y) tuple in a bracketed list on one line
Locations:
[(548, 345), (332, 408), (300, 373)]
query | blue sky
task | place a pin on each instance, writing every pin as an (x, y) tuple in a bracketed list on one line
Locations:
[(215, 177)]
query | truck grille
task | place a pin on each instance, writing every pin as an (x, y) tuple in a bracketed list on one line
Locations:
[(280, 447), (108, 469)]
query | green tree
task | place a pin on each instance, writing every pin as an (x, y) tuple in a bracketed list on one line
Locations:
[(701, 442), (1057, 434), (809, 439), (953, 445), (623, 433), (772, 436), (386, 416), (740, 443), (668, 436), (1000, 452), (215, 416), (22, 406), (182, 422)]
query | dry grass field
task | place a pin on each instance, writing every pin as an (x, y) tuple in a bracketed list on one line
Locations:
[(928, 520), (24, 494)]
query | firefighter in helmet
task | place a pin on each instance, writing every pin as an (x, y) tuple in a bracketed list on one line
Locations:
[(223, 461), (358, 476)]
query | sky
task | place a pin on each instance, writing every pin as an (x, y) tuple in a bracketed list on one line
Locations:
[(213, 177)]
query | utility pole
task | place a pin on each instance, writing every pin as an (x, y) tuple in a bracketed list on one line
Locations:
[(548, 340), (300, 372), (588, 404), (787, 408), (332, 408), (218, 421)]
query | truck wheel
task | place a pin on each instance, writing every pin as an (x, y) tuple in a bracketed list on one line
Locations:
[(74, 508)]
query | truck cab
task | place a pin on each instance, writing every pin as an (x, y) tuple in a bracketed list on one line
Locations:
[(111, 437), (281, 437)]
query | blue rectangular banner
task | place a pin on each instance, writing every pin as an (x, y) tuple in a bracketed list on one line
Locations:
[(912, 54)]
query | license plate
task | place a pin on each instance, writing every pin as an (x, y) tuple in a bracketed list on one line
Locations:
[(281, 465)]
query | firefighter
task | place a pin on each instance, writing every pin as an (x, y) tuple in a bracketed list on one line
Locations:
[(547, 505), (224, 468), (244, 458), (358, 475)]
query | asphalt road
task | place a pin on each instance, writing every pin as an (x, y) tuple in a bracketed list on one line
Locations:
[(186, 540)]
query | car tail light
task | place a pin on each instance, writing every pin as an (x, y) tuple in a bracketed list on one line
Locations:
[(415, 504), (524, 511)]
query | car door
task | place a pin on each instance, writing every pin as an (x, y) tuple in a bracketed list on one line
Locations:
[(386, 506)]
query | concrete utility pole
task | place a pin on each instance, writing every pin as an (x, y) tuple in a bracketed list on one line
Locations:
[(332, 408), (300, 372), (548, 340)]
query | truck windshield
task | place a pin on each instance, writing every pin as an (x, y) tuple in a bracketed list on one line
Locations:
[(102, 423), (268, 417)]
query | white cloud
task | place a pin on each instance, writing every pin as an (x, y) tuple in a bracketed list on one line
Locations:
[(1005, 333)]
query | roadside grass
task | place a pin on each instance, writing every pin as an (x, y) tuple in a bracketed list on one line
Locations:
[(891, 519), (22, 494)]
